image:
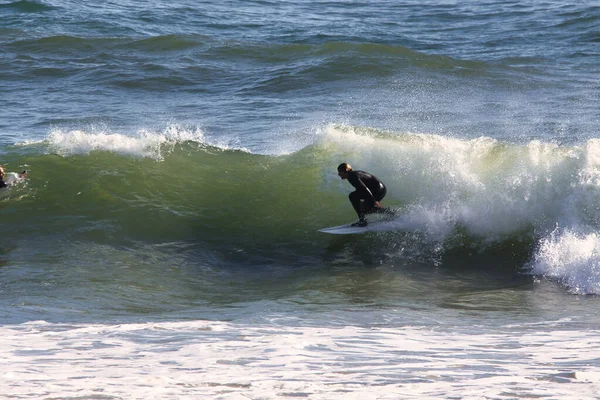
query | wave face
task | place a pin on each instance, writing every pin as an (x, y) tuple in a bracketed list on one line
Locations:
[(532, 206)]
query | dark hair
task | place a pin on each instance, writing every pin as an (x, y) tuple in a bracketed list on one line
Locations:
[(344, 167)]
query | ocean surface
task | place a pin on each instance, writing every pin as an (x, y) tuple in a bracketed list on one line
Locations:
[(182, 157)]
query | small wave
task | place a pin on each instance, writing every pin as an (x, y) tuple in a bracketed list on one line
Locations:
[(27, 6), (154, 44), (581, 21), (68, 43), (167, 43), (143, 144), (348, 55), (165, 82)]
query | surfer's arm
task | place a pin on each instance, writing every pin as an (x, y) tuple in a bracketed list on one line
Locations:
[(361, 187), (366, 189)]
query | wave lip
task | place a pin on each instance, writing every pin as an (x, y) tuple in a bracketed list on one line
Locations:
[(144, 144)]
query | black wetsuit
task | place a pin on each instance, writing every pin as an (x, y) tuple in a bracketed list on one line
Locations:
[(3, 184), (369, 189)]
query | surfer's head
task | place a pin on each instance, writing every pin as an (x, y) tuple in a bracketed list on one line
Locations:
[(343, 170), (1, 172)]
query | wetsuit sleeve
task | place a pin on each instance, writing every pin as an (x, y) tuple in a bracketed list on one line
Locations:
[(3, 184)]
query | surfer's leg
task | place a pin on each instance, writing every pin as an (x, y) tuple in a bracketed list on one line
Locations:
[(358, 207), (372, 206), (380, 194), (356, 203)]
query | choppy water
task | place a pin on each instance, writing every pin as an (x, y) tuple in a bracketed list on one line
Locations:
[(182, 157)]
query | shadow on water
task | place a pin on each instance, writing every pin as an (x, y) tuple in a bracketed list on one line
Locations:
[(391, 269), (502, 259)]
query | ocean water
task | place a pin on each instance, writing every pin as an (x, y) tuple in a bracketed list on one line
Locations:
[(181, 159)]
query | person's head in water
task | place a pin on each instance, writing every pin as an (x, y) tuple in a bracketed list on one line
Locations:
[(1, 173), (343, 170)]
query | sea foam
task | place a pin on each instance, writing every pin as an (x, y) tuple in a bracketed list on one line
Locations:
[(209, 359), (572, 258), (142, 143)]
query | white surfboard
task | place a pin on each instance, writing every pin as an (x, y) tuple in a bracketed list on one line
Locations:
[(382, 225)]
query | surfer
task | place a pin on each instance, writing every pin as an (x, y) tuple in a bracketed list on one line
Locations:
[(369, 192), (12, 175), (2, 183)]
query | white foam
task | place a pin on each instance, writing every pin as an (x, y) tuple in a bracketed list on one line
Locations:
[(143, 143), (490, 188), (204, 359), (12, 178), (572, 258)]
